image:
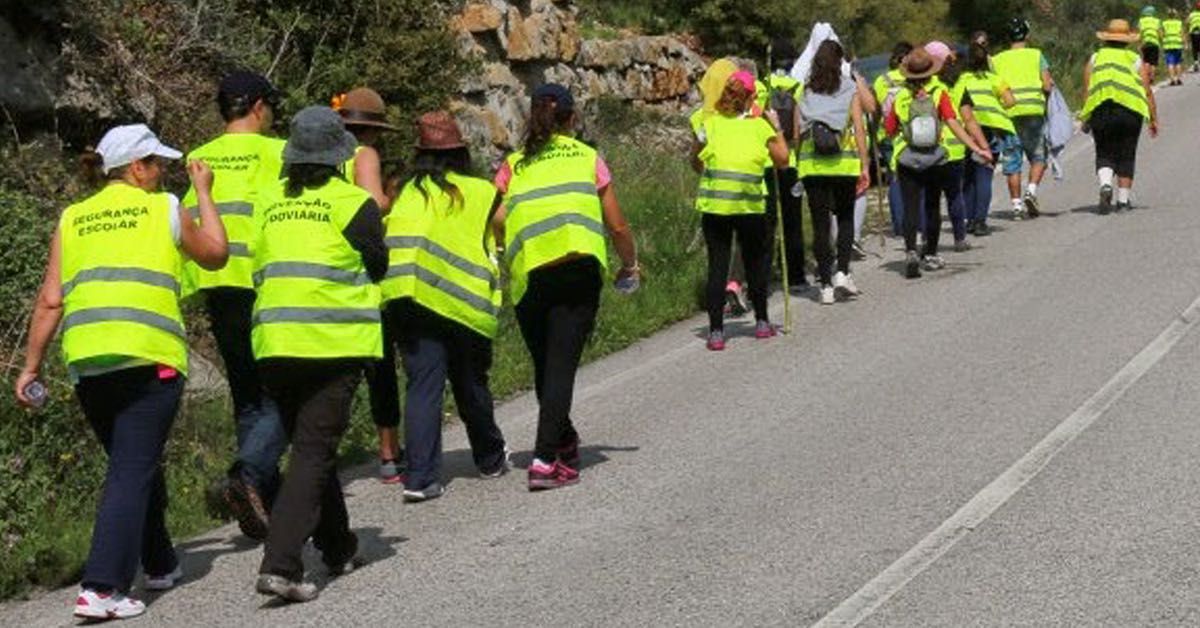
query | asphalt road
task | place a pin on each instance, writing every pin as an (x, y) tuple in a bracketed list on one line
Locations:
[(771, 484)]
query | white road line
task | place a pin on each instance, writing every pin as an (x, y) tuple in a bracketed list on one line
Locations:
[(858, 607)]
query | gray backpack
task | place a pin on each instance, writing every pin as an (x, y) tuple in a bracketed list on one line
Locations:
[(923, 135)]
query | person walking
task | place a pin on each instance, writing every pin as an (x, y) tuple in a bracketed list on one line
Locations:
[(1193, 26), (922, 120), (991, 98), (365, 116), (113, 279), (833, 165), (246, 162), (1027, 73), (783, 96), (558, 201), (442, 296), (316, 323), (886, 87), (1172, 43), (1119, 99), (1151, 33), (731, 152)]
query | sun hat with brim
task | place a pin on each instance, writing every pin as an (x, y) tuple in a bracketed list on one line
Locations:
[(123, 145), (919, 64), (362, 106), (438, 131), (1118, 31), (318, 136), (939, 50)]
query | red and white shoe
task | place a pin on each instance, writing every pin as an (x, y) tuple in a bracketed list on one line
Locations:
[(545, 476), (94, 605)]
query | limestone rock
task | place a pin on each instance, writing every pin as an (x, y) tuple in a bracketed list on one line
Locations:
[(479, 18)]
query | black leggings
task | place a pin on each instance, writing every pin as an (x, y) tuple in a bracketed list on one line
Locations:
[(831, 197), (793, 225), (718, 238), (1116, 131), (922, 191)]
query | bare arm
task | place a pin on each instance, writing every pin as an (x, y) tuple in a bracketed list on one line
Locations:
[(204, 243), (498, 216), (368, 175), (1148, 85), (618, 230), (870, 105), (1007, 99), (47, 312), (1047, 81), (972, 125), (963, 136), (858, 119), (777, 146), (697, 165)]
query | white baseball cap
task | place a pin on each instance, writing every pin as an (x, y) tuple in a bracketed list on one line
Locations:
[(123, 145)]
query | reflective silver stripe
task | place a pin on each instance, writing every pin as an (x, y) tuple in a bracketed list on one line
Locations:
[(232, 208), (1029, 101), (726, 175), (550, 224), (1116, 67), (988, 109), (123, 315), (135, 275), (1117, 86), (316, 315), (555, 190), (433, 248), (721, 195), (239, 249), (308, 270), (1028, 90), (445, 285), (846, 154)]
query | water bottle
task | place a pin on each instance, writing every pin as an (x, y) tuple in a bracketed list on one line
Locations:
[(37, 393)]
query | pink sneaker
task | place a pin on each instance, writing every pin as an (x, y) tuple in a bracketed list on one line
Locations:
[(544, 476), (716, 340), (764, 330)]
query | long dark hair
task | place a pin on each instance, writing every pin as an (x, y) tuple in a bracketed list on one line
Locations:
[(302, 177), (951, 71), (900, 51), (826, 74), (545, 120), (977, 58), (433, 166)]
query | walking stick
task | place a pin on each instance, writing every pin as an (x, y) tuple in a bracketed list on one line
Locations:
[(879, 193), (787, 295)]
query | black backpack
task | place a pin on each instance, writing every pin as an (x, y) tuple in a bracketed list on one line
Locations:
[(826, 141)]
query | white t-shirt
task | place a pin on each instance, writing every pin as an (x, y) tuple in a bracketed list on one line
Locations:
[(1137, 64), (173, 218)]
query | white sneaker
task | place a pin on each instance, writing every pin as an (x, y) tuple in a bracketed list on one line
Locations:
[(93, 605), (843, 285), (164, 582), (269, 584), (1018, 212), (933, 262), (827, 297)]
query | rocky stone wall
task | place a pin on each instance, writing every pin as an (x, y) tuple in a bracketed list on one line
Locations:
[(523, 45)]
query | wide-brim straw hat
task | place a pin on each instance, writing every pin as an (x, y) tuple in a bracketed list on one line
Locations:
[(919, 64), (1118, 31), (362, 106)]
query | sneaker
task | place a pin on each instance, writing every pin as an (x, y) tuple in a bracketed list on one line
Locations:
[(961, 245), (1018, 212), (95, 605), (982, 229), (735, 300), (433, 491), (1031, 205), (716, 340), (391, 471), (912, 265), (933, 262), (279, 586), (799, 289), (843, 285), (827, 294), (857, 251), (1124, 207), (247, 507), (348, 560), (1106, 199), (764, 330), (164, 582), (501, 468), (569, 455), (544, 476)]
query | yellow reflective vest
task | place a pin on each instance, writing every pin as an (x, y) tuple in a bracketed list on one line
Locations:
[(1113, 78), (552, 210), (440, 251), (904, 100), (1193, 22), (1021, 68), (845, 164), (1172, 34), (244, 166), (986, 89), (121, 272), (886, 86), (735, 156), (1150, 29), (315, 299)]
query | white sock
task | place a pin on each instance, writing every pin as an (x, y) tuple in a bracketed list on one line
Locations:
[(1032, 189), (1106, 176), (1018, 203), (1122, 195)]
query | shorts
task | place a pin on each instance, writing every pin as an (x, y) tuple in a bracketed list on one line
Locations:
[(1007, 149), (1150, 55), (1174, 56), (1032, 133), (1196, 45)]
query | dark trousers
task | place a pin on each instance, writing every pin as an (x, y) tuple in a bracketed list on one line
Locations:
[(434, 348), (931, 183), (1195, 47), (260, 438), (131, 412), (830, 197), (793, 225), (314, 399), (977, 190), (1116, 131), (382, 388), (719, 230), (557, 315)]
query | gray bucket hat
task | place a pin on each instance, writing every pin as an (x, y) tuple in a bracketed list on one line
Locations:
[(319, 137)]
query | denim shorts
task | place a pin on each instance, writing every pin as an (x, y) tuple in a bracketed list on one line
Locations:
[(1032, 132), (1007, 149), (1174, 56)]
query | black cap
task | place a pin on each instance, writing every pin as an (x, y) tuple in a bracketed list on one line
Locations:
[(248, 85), (561, 95)]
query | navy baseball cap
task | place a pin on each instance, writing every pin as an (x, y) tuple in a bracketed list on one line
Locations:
[(250, 86), (561, 96)]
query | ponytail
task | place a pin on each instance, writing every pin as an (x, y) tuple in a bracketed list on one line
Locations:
[(545, 120)]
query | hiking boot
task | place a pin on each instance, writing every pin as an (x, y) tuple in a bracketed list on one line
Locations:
[(933, 262), (827, 294), (843, 285), (716, 340), (912, 265), (247, 507), (544, 476), (502, 468), (764, 330), (1106, 199), (346, 561), (91, 604), (857, 251), (391, 471), (433, 491), (1031, 205), (164, 582), (289, 590), (961, 245)]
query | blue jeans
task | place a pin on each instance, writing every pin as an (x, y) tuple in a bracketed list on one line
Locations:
[(131, 412), (977, 190)]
